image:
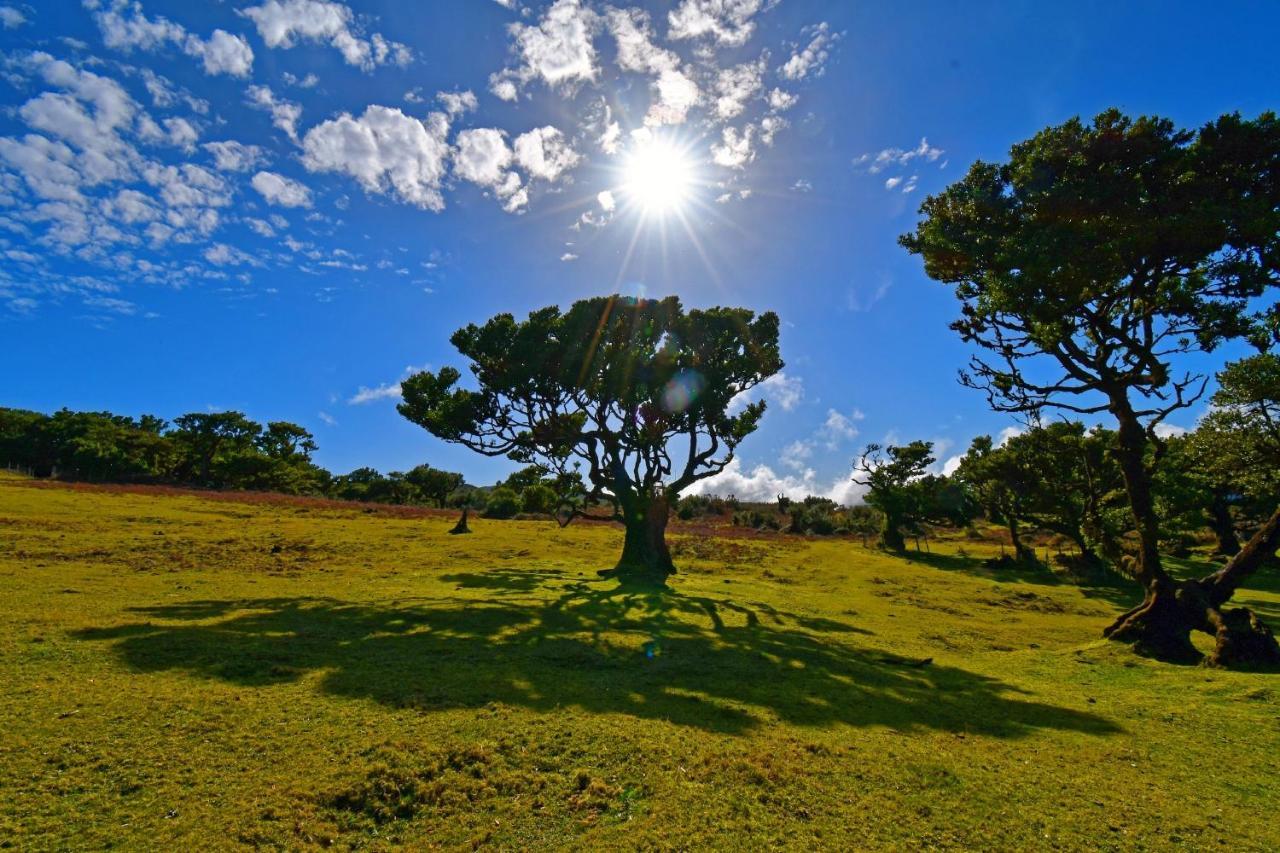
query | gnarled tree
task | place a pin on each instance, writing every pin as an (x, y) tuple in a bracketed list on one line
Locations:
[(1086, 265), (637, 396)]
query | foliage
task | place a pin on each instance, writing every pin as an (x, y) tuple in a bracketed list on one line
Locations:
[(1085, 266), (633, 395), (501, 503), (219, 450), (539, 498), (908, 497)]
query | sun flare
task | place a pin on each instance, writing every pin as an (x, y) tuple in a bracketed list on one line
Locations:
[(658, 177)]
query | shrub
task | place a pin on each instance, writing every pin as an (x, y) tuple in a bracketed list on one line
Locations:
[(502, 503), (538, 499)]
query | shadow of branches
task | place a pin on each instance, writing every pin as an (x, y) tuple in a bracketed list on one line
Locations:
[(692, 660)]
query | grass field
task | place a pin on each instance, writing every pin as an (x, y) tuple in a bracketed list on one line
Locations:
[(180, 672)]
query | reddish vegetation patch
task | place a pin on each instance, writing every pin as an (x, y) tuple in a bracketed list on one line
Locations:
[(269, 498)]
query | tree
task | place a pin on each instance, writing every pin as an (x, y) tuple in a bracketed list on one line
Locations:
[(637, 395), (1003, 487), (889, 486), (211, 445), (433, 484), (1089, 262)]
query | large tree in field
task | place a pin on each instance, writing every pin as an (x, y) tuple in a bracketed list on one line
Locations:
[(1086, 266), (637, 396)]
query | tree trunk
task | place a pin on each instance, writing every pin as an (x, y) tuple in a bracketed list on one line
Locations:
[(645, 560), (1223, 527), (1160, 625), (1021, 553), (891, 536)]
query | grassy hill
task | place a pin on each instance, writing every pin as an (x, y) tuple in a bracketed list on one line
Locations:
[(180, 671)]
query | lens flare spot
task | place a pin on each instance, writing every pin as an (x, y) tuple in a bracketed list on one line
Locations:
[(682, 391)]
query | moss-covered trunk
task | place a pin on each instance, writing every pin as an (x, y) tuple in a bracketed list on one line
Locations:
[(645, 559)]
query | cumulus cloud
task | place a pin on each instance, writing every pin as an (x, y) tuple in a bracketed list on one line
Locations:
[(735, 86), (232, 156), (483, 157), (724, 22), (810, 61), (763, 483), (558, 50), (545, 153), (282, 23), (734, 151), (281, 191), (124, 27), (457, 103), (284, 114), (675, 92), (386, 151)]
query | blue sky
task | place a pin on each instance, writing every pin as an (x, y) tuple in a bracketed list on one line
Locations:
[(281, 206)]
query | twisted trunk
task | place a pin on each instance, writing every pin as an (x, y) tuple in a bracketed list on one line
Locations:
[(1161, 625)]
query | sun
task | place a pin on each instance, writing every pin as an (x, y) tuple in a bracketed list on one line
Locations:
[(658, 177)]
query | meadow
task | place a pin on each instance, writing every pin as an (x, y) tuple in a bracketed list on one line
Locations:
[(186, 672)]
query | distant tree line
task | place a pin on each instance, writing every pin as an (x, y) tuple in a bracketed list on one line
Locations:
[(209, 450)]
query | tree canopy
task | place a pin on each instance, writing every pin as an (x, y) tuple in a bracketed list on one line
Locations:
[(1086, 266), (638, 396)]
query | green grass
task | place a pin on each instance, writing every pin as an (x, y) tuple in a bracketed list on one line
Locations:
[(180, 672)]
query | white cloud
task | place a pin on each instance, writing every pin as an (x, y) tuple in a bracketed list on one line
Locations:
[(282, 191), (386, 151), (457, 103), (503, 88), (385, 391), (811, 59), (11, 18), (310, 81), (223, 53), (607, 202), (559, 50), (890, 183), (284, 114), (881, 160), (839, 428), (327, 419), (232, 156), (482, 156), (181, 134), (784, 390), (676, 95), (675, 92), (124, 27), (735, 86), (568, 256), (726, 22), (763, 483), (544, 153), (734, 151), (282, 23), (780, 101)]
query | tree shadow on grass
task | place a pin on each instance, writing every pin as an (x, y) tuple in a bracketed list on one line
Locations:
[(695, 661), (1115, 590)]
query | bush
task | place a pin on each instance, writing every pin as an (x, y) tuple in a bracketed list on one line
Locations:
[(502, 503), (538, 499), (699, 506), (756, 520)]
